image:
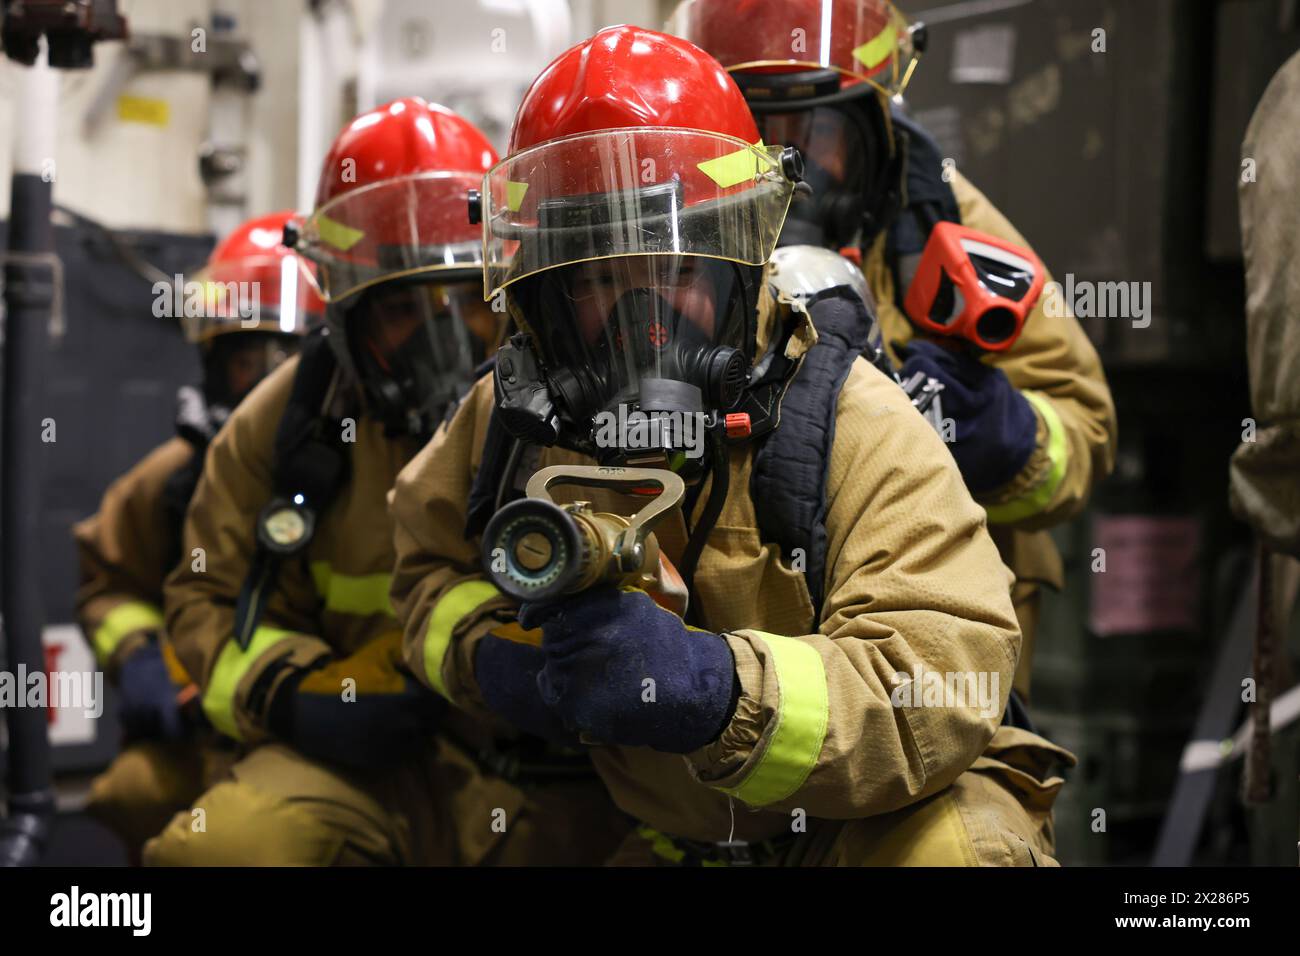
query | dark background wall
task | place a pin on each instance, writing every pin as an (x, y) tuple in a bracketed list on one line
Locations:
[(113, 372)]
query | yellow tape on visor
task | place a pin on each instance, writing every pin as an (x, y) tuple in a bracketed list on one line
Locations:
[(733, 168)]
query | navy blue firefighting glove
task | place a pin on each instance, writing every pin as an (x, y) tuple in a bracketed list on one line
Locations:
[(506, 672), (996, 431), (622, 670), (380, 717), (147, 696)]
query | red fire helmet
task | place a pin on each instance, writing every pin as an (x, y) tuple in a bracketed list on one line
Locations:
[(252, 282), (391, 199), (632, 143), (865, 41)]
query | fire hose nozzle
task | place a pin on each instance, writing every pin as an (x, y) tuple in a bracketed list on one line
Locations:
[(536, 550)]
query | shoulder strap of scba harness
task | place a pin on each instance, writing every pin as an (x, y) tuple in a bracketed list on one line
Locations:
[(498, 448), (929, 199), (311, 463), (177, 492), (791, 463), (196, 424)]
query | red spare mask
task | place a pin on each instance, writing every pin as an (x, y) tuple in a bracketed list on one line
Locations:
[(974, 286)]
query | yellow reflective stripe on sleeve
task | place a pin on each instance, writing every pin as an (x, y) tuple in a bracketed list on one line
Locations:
[(232, 665), (515, 193), (459, 602), (733, 168), (1058, 453), (802, 715), (127, 618), (360, 594), (878, 49), (339, 236)]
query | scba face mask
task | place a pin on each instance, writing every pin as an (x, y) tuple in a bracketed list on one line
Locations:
[(234, 362), (631, 259), (630, 359), (416, 346), (850, 171)]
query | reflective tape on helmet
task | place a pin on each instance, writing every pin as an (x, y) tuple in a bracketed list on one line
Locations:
[(878, 49), (458, 603), (515, 193), (231, 666), (802, 715), (125, 619), (339, 236), (1058, 453), (732, 169), (360, 594)]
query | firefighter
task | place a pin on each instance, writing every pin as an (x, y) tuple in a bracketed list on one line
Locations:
[(1032, 424), (834, 560)]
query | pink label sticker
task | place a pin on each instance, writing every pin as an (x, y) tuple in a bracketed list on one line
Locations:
[(1151, 580)]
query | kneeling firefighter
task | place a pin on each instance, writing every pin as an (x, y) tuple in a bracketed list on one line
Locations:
[(284, 621), (127, 548), (1031, 420), (834, 562)]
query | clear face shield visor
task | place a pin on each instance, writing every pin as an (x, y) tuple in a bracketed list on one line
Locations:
[(840, 159), (234, 361), (392, 230), (624, 254)]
